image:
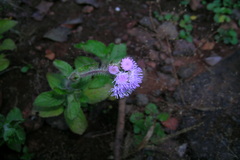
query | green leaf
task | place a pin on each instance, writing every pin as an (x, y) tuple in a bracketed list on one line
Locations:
[(4, 63), (6, 24), (118, 52), (52, 113), (99, 81), (139, 126), (92, 46), (73, 107), (159, 131), (151, 109), (163, 116), (83, 61), (77, 125), (168, 16), (98, 94), (48, 100), (65, 68), (136, 117), (14, 115), (8, 44), (55, 81)]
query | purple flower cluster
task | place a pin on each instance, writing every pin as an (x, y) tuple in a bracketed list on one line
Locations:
[(128, 77)]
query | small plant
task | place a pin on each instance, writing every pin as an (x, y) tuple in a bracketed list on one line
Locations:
[(166, 17), (11, 131), (5, 44), (228, 36), (223, 9), (89, 82), (143, 121), (186, 25)]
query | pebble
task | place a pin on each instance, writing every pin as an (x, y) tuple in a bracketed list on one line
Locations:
[(167, 69), (142, 99), (181, 150), (213, 60), (154, 55), (167, 30), (149, 22), (184, 48), (187, 71)]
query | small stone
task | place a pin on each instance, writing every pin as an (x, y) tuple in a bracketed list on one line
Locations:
[(184, 48), (187, 71), (167, 69), (142, 99), (156, 93), (151, 64), (118, 40), (153, 55), (167, 30), (213, 60), (117, 9), (149, 22), (169, 60), (182, 149), (88, 9)]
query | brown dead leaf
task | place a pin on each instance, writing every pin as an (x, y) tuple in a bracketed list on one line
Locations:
[(49, 54), (208, 46)]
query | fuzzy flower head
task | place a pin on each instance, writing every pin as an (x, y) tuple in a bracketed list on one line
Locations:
[(127, 64), (113, 69), (127, 79)]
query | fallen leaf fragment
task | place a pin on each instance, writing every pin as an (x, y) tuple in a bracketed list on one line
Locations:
[(43, 8), (94, 3), (50, 54), (59, 34), (171, 123), (208, 46)]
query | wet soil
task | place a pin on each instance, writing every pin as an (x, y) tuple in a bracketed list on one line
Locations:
[(166, 76)]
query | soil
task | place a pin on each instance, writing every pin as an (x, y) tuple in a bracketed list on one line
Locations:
[(170, 67)]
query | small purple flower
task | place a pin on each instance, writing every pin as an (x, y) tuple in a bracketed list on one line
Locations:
[(128, 80), (122, 78), (113, 69), (127, 64)]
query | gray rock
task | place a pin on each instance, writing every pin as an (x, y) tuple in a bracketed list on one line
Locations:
[(149, 23), (167, 30), (184, 48), (187, 71), (142, 99), (167, 69), (213, 60), (213, 99)]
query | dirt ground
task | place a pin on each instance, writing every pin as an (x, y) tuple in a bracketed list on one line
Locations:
[(169, 66)]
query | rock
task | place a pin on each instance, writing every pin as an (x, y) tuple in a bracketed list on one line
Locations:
[(184, 48), (148, 22), (167, 30), (181, 150), (167, 69), (187, 71), (94, 3), (212, 99), (213, 60), (87, 9), (153, 55), (142, 36), (142, 99)]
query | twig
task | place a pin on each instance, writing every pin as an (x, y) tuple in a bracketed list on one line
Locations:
[(166, 138), (120, 129)]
